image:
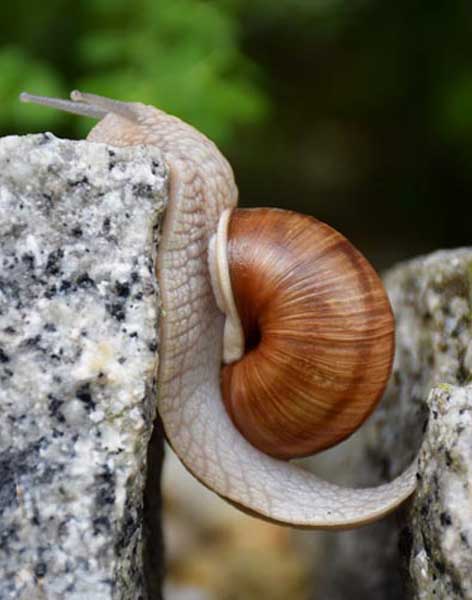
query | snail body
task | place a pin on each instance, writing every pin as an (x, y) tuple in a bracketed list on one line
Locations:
[(200, 325)]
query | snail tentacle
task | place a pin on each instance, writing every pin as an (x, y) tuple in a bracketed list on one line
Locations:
[(65, 105)]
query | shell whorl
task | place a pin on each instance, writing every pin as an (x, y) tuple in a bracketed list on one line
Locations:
[(318, 328)]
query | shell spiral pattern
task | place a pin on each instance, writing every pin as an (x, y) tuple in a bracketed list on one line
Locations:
[(319, 333)]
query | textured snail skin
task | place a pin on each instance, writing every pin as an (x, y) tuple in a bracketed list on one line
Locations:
[(191, 329)]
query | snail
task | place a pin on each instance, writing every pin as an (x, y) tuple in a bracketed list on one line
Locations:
[(276, 333)]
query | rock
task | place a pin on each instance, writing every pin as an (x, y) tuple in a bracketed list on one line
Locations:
[(431, 297), (440, 559), (78, 341)]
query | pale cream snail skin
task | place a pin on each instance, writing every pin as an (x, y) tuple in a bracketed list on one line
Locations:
[(324, 333)]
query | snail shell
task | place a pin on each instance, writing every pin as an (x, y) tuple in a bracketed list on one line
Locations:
[(318, 331)]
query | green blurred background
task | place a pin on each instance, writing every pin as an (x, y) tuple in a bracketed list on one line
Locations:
[(356, 111)]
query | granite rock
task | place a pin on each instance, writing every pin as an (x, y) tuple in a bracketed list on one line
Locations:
[(431, 298), (440, 520), (79, 224)]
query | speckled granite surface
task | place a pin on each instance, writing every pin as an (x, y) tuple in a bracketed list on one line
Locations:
[(78, 341), (440, 562), (432, 301)]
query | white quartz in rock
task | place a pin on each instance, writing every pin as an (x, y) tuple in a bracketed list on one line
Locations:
[(78, 357)]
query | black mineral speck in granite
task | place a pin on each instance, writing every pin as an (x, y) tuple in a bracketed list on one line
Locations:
[(40, 570), (50, 292), (101, 525), (77, 231), (65, 286), (4, 358), (54, 407), (105, 484), (122, 289), (32, 342), (6, 374), (106, 225), (53, 265), (143, 189), (35, 519), (84, 394), (445, 519), (28, 260), (80, 182), (112, 161), (448, 458), (84, 281), (425, 509), (117, 310)]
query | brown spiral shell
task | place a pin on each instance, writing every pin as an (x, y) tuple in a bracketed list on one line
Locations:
[(319, 333)]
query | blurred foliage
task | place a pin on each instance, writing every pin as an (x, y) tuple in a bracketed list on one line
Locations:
[(358, 111), (180, 55)]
